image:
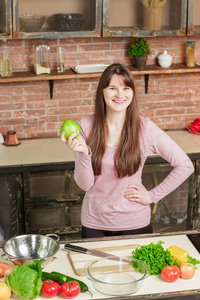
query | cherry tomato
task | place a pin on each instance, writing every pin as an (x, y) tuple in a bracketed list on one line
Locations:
[(70, 289), (50, 288), (170, 273)]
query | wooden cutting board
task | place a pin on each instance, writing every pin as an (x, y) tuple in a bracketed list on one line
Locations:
[(80, 260)]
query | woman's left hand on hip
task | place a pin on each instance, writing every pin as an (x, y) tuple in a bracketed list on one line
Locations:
[(137, 193)]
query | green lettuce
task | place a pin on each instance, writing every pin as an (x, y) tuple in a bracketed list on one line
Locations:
[(26, 280)]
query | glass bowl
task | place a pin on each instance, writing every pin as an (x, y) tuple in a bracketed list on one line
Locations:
[(31, 22), (117, 277)]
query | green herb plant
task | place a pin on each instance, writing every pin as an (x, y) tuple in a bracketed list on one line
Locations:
[(139, 47), (155, 257)]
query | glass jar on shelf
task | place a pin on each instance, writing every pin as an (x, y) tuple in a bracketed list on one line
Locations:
[(190, 53), (60, 59), (5, 60), (42, 57)]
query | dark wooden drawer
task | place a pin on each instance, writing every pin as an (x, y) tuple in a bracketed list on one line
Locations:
[(51, 186)]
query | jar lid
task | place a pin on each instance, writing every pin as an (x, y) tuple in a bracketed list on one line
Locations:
[(191, 44), (165, 56)]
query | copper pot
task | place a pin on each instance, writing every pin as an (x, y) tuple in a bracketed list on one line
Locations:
[(11, 139)]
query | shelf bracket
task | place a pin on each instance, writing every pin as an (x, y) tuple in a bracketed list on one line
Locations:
[(146, 80), (51, 82)]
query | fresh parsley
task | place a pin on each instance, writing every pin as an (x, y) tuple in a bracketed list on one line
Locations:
[(193, 261), (155, 256)]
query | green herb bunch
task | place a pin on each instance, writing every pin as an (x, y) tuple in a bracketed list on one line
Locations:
[(193, 261), (155, 257), (139, 47)]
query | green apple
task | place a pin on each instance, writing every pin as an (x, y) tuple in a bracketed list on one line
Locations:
[(69, 127)]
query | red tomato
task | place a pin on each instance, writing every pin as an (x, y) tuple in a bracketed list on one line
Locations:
[(50, 288), (70, 289), (196, 122), (170, 273)]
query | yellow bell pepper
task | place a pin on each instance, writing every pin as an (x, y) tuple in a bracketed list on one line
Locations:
[(179, 254)]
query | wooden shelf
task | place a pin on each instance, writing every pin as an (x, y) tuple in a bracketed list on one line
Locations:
[(54, 75), (173, 69), (69, 74)]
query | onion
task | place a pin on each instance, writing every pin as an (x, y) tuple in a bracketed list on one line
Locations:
[(7, 272)]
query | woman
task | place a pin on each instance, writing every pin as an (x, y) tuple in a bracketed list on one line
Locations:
[(110, 154)]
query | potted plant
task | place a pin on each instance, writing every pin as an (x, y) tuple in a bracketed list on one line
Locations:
[(152, 14), (139, 49)]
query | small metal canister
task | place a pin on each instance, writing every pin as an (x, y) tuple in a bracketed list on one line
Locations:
[(190, 54), (42, 57)]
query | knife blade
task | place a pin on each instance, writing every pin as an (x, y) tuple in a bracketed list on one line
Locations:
[(94, 252)]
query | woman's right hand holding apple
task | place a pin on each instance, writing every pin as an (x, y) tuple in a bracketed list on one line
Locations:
[(75, 144)]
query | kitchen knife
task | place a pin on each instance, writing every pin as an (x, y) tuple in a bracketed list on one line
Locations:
[(94, 252)]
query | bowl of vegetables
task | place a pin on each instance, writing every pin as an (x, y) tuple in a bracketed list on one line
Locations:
[(120, 277)]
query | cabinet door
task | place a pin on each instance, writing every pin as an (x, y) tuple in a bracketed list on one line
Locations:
[(144, 18), (193, 17), (74, 18), (51, 186), (5, 19), (172, 212), (52, 203), (11, 220)]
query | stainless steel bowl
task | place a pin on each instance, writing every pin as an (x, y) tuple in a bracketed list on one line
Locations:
[(117, 277), (25, 249)]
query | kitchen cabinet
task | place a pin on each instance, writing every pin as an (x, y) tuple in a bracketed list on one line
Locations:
[(49, 201), (193, 17), (101, 18), (5, 19), (89, 10), (52, 202), (132, 18), (46, 199)]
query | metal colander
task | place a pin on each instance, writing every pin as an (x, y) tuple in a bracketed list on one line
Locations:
[(30, 247)]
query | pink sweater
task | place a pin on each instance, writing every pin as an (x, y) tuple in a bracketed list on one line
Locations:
[(104, 206)]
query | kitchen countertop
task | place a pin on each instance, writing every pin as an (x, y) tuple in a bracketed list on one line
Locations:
[(153, 287), (33, 152), (54, 151)]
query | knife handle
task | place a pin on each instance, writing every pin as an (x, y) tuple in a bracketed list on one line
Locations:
[(76, 248)]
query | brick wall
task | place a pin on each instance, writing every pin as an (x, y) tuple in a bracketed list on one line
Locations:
[(27, 107)]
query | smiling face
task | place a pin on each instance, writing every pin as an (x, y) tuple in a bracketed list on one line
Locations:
[(117, 95)]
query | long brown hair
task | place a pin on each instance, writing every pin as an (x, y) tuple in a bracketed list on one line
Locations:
[(127, 156)]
